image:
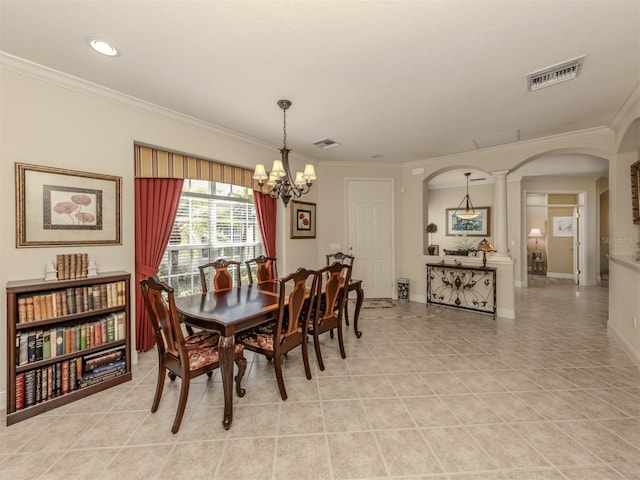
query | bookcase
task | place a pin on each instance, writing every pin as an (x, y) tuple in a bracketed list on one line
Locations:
[(66, 339)]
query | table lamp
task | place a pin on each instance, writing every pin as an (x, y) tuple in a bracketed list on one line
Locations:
[(535, 233)]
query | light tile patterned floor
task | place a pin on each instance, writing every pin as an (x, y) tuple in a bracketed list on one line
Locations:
[(432, 393)]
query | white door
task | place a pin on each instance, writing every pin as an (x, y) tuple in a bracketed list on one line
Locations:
[(369, 235)]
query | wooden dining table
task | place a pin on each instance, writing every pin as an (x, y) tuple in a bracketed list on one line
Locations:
[(231, 311)]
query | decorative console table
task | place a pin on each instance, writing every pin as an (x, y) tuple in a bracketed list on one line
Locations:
[(469, 287)]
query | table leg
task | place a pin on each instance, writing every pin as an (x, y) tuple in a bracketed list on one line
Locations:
[(356, 314), (226, 349)]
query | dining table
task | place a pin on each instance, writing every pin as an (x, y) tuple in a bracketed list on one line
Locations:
[(232, 310)]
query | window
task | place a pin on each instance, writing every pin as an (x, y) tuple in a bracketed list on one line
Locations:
[(214, 220)]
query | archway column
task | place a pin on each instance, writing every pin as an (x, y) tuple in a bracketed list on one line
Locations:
[(500, 238)]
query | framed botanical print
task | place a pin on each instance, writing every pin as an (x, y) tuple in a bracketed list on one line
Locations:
[(56, 207)]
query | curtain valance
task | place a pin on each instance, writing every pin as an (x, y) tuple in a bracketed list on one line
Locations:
[(155, 163)]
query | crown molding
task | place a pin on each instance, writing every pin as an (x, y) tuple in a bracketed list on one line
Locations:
[(631, 106), (54, 77)]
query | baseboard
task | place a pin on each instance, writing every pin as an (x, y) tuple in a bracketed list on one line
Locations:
[(3, 402), (626, 346), (506, 313), (560, 275)]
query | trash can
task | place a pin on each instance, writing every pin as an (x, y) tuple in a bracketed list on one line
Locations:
[(403, 289)]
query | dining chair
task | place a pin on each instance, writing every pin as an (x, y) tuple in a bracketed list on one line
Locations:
[(265, 267), (217, 275), (185, 357), (288, 330), (342, 258), (332, 287)]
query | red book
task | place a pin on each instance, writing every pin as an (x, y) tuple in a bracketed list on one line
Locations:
[(19, 391)]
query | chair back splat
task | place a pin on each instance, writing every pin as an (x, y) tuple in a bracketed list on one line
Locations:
[(222, 278), (265, 269), (340, 257), (184, 357)]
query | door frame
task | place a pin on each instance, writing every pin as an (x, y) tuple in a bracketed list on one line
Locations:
[(391, 182)]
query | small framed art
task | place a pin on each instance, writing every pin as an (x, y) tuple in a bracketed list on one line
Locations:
[(303, 220)]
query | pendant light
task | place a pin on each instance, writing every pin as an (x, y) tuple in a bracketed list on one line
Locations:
[(469, 212)]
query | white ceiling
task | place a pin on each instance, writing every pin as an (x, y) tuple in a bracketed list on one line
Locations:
[(407, 80)]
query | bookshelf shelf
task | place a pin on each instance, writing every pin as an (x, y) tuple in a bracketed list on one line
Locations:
[(74, 342)]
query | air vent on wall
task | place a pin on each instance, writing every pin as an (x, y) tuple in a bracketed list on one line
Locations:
[(326, 143), (555, 74)]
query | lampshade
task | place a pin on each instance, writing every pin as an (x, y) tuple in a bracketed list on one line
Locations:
[(282, 184), (535, 233)]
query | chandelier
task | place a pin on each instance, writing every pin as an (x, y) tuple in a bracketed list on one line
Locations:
[(469, 212), (280, 181)]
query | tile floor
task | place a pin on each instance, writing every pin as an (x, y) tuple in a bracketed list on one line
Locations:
[(433, 393)]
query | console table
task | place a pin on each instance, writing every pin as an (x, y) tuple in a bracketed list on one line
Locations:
[(462, 286)]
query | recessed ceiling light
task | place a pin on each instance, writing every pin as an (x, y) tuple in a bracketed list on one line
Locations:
[(103, 47)]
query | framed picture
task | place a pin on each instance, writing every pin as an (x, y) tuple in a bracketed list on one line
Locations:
[(476, 227), (563, 226), (56, 207), (635, 191), (303, 220)]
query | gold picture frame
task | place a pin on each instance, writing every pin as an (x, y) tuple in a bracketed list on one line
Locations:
[(58, 207), (477, 227), (303, 219), (635, 191)]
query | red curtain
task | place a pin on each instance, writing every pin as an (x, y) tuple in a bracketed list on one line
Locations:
[(156, 204), (266, 208)]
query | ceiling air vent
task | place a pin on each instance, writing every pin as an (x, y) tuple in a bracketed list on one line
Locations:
[(326, 143), (555, 74)]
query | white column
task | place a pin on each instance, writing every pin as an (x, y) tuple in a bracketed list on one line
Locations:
[(500, 239)]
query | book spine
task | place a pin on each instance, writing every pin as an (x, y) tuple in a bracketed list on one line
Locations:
[(58, 377), (39, 344), (46, 345), (30, 309), (68, 343), (31, 346), (60, 266), (67, 266), (72, 266), (37, 315), (19, 391), (22, 309), (121, 325), (29, 388), (23, 357), (38, 385), (72, 375), (50, 382), (60, 349), (45, 384), (65, 377), (71, 305), (48, 301)]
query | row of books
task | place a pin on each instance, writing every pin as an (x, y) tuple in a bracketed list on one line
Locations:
[(72, 265), (43, 344), (69, 301), (60, 378)]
